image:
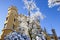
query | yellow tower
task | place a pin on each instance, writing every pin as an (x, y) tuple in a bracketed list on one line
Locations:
[(11, 21)]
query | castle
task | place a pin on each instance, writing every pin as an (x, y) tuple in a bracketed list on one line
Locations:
[(19, 24)]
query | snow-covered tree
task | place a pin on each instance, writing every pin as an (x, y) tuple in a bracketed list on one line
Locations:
[(52, 3), (16, 36)]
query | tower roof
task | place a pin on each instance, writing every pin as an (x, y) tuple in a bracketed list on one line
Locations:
[(12, 8)]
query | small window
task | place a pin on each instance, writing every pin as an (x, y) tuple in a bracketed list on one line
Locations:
[(23, 30), (7, 18), (19, 28), (13, 26), (28, 22), (14, 20), (5, 25), (20, 21)]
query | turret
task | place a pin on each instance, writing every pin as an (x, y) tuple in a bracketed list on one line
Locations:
[(11, 21), (54, 34)]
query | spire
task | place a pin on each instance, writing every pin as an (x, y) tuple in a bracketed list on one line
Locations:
[(45, 29)]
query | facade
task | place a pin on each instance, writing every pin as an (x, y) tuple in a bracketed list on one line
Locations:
[(21, 27)]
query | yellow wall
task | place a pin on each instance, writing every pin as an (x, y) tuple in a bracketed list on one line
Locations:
[(12, 14)]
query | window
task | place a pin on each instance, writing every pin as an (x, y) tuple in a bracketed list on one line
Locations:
[(14, 20), (13, 26), (5, 25), (20, 21), (7, 18), (28, 22), (20, 29)]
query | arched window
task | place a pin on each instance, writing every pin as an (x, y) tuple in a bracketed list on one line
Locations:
[(5, 25), (6, 18)]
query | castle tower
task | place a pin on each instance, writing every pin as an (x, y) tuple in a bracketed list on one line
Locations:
[(11, 21), (54, 33)]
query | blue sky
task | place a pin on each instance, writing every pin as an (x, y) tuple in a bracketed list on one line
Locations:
[(52, 19)]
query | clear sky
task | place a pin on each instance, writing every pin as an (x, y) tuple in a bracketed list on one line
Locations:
[(52, 19)]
